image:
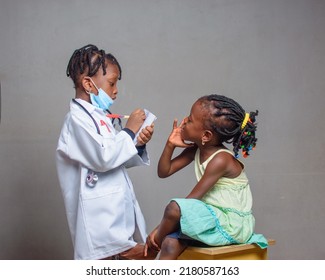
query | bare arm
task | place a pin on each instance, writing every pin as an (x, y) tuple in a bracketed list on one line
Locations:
[(168, 166), (221, 165)]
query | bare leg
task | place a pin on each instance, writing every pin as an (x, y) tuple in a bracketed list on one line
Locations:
[(169, 223), (135, 253), (171, 248)]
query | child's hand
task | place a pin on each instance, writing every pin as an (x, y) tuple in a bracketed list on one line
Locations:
[(145, 135), (135, 120), (151, 243), (175, 138)]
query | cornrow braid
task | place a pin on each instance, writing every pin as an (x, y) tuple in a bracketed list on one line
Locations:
[(88, 60), (226, 119)]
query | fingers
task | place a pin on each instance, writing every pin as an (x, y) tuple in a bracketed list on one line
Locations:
[(135, 120), (175, 123), (139, 112), (154, 245), (151, 241), (145, 135), (182, 122), (145, 250), (150, 245), (180, 125)]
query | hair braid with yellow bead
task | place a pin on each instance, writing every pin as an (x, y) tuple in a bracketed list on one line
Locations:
[(230, 121)]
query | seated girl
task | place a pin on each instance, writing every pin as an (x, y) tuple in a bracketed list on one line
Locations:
[(218, 210)]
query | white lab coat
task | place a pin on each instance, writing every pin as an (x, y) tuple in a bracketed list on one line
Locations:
[(106, 219)]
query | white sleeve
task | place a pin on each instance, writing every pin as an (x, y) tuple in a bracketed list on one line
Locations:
[(138, 161), (81, 142)]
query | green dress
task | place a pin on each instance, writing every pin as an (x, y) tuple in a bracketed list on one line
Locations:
[(224, 215)]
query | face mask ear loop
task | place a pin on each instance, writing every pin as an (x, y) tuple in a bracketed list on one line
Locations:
[(94, 85)]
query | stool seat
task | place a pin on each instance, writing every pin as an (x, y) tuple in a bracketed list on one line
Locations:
[(229, 252)]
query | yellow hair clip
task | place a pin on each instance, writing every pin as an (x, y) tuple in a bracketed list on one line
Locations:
[(245, 121)]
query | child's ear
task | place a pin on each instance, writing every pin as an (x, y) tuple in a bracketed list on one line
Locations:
[(87, 84), (207, 136)]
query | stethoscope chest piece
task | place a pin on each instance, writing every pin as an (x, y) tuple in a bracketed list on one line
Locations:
[(91, 179)]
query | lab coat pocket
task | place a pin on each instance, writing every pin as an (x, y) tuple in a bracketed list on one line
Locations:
[(104, 216)]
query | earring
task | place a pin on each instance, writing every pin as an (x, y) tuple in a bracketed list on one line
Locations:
[(203, 143)]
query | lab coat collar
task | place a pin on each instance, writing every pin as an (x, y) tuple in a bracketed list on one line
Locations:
[(89, 107)]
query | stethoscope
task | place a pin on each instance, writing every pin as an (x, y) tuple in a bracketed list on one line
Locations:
[(92, 177), (83, 108), (117, 126)]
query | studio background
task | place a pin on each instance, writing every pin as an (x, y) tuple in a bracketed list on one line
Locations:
[(267, 55)]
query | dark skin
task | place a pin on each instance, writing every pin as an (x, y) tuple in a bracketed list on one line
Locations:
[(221, 165), (108, 83)]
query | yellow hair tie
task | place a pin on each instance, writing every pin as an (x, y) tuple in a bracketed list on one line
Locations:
[(245, 121)]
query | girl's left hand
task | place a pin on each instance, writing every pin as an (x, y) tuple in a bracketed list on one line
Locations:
[(145, 135)]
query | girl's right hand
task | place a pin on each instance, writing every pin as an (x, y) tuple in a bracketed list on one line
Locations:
[(151, 243), (175, 138), (135, 120)]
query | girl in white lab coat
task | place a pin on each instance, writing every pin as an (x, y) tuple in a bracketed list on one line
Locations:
[(103, 213)]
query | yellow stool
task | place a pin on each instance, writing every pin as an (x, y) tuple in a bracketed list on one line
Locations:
[(230, 252)]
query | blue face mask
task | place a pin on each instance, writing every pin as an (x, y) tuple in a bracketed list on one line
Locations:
[(102, 100)]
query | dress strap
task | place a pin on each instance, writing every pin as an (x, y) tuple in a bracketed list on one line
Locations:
[(220, 151)]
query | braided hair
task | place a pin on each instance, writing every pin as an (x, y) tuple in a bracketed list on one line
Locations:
[(88, 60), (230, 122)]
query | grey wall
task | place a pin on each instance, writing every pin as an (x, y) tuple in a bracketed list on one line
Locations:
[(268, 55)]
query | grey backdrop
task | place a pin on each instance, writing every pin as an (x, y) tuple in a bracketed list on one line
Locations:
[(266, 54)]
